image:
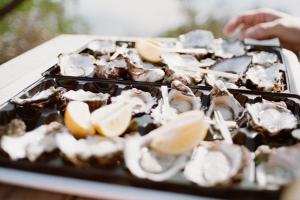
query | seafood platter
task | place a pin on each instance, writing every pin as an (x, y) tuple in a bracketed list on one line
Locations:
[(193, 115)]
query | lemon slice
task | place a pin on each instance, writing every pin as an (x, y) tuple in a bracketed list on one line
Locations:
[(77, 119), (112, 120), (181, 134), (149, 50)]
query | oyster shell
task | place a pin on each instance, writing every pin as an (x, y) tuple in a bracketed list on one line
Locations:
[(140, 71), (228, 48), (40, 99), (144, 162), (101, 47), (215, 163), (222, 100), (197, 39), (32, 144), (111, 69), (266, 78), (15, 127), (141, 101), (277, 166), (263, 58), (74, 64), (182, 67), (207, 62), (78, 151), (272, 117), (94, 100)]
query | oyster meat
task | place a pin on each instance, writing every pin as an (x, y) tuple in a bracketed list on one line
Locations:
[(197, 39), (111, 69), (266, 78), (263, 58), (218, 163), (74, 64), (140, 71), (102, 47), (94, 100), (144, 162), (272, 117), (228, 48), (13, 128), (141, 101), (79, 151), (32, 144)]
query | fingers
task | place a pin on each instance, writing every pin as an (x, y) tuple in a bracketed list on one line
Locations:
[(262, 31), (245, 19)]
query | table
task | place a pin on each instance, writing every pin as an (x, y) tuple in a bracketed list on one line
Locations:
[(25, 69)]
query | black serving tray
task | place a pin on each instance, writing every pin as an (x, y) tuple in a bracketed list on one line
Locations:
[(54, 71), (53, 163)]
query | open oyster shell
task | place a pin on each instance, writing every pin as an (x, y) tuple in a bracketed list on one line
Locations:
[(263, 58), (141, 101), (78, 151), (228, 48), (40, 99), (266, 78), (271, 117), (197, 39), (218, 163), (101, 47), (94, 100), (111, 69), (32, 144), (14, 127), (74, 64), (144, 162)]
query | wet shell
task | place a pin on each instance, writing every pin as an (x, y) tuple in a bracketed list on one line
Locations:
[(228, 48), (102, 47), (197, 39)]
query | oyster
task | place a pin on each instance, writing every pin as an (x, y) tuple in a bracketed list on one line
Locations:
[(104, 150), (141, 101), (32, 144), (216, 163), (140, 71), (182, 98), (74, 64), (278, 166), (222, 100), (15, 127), (272, 117), (265, 78), (207, 62), (197, 39), (101, 47), (263, 58), (94, 100), (40, 99), (111, 69), (228, 48), (182, 67), (144, 162)]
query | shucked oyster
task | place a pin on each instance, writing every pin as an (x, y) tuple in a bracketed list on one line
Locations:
[(15, 127), (94, 100), (80, 150), (228, 49), (101, 47), (263, 58), (215, 163), (266, 78), (222, 100), (278, 166), (140, 71), (272, 117), (32, 144), (40, 99), (111, 69), (144, 162), (197, 39), (141, 101), (74, 64)]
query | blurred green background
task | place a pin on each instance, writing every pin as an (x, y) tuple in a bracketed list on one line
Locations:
[(25, 24)]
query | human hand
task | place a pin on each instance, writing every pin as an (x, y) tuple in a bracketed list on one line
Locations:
[(266, 24)]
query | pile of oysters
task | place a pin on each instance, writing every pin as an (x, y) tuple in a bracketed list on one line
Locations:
[(254, 144), (194, 58)]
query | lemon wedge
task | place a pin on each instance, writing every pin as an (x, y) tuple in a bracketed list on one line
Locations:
[(77, 119), (181, 134), (112, 120), (149, 50)]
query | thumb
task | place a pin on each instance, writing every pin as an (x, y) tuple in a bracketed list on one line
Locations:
[(262, 31)]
